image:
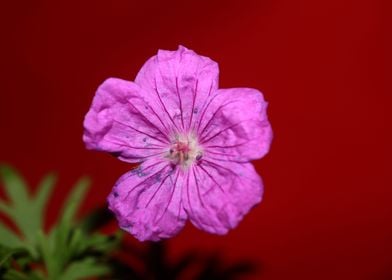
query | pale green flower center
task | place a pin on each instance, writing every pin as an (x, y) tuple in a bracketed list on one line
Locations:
[(185, 150)]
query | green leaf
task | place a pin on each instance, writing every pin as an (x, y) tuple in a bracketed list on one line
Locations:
[(15, 187), (67, 252), (8, 238), (44, 190), (73, 201), (76, 243), (7, 254), (83, 269), (45, 244), (37, 275), (6, 209), (13, 274), (103, 243), (61, 244), (20, 208)]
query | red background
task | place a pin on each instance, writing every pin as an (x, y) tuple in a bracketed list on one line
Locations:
[(323, 67)]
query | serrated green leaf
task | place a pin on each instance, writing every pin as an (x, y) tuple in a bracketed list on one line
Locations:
[(14, 185), (67, 252), (83, 269), (73, 201), (44, 190), (61, 246), (27, 222), (20, 207), (45, 244)]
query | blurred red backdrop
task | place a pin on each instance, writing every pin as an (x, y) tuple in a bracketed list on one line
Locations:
[(322, 65)]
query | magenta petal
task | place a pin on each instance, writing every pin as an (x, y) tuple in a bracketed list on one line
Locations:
[(216, 196), (147, 201), (234, 125), (178, 83), (120, 122)]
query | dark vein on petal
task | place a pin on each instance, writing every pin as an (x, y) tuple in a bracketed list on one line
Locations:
[(171, 197), (203, 106), (158, 188), (198, 188), (203, 140), (193, 104), (188, 196), (159, 118), (180, 206), (221, 154), (229, 146), (142, 159), (163, 104), (213, 116), (216, 165), (144, 181), (204, 111), (142, 132), (155, 145), (204, 206), (151, 123), (212, 178), (180, 101), (209, 92), (229, 160), (131, 173), (133, 147)]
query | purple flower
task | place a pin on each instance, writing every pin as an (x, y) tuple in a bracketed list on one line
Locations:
[(194, 143)]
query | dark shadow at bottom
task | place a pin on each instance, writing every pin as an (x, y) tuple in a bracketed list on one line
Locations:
[(153, 265)]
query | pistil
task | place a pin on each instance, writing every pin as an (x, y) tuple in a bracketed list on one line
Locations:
[(185, 150)]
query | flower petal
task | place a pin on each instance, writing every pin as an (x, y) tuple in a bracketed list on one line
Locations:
[(216, 197), (178, 83), (147, 201), (234, 125), (120, 122)]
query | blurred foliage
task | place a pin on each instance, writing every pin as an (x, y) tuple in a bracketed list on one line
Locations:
[(154, 264), (71, 250), (196, 265)]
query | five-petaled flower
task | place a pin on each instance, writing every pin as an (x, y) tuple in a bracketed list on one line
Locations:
[(194, 143)]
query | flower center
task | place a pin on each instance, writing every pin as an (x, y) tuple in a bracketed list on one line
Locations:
[(185, 150)]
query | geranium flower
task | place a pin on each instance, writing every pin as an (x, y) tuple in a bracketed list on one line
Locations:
[(194, 143)]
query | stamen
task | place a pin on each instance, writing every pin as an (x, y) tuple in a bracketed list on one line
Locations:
[(185, 150)]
